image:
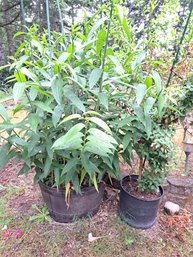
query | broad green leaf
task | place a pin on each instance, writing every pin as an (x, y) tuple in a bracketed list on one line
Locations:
[(18, 90), (68, 93), (126, 140), (3, 113), (102, 135), (148, 81), (5, 155), (148, 125), (33, 120), (101, 38), (94, 77), (58, 111), (157, 80), (127, 29), (140, 93), (120, 12), (29, 74), (71, 140), (38, 45), (64, 56), (140, 57), (118, 66), (88, 165), (69, 165), (70, 117), (47, 165), (140, 114), (101, 124), (96, 26), (104, 99), (57, 85), (33, 93), (44, 106), (148, 105)]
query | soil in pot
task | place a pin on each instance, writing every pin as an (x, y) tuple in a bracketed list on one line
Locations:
[(138, 210), (80, 205), (131, 186)]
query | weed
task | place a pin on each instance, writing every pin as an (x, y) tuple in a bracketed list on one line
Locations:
[(42, 215)]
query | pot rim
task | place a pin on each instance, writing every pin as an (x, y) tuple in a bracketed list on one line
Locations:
[(63, 190), (143, 200)]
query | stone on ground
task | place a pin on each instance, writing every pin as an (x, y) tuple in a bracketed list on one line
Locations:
[(171, 208)]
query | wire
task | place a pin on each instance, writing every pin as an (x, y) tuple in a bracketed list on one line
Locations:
[(48, 25), (23, 13), (181, 40), (61, 21)]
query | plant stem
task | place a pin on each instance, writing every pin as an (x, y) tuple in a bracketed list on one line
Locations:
[(105, 49), (140, 168)]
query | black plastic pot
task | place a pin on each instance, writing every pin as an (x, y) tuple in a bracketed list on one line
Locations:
[(79, 205), (138, 213)]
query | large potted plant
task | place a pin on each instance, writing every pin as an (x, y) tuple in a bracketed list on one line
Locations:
[(146, 133), (62, 135)]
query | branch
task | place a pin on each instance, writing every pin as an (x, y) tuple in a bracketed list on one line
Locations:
[(10, 22), (10, 7)]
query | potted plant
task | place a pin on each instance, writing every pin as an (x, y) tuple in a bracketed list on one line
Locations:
[(62, 135), (145, 131)]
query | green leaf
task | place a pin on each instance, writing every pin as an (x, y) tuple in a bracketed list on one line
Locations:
[(58, 111), (127, 29), (161, 103), (33, 121), (5, 155), (64, 56), (101, 124), (71, 164), (157, 80), (140, 57), (56, 86), (101, 36), (18, 90), (44, 106), (3, 113), (33, 93), (94, 77), (96, 26), (71, 140), (140, 114), (148, 105), (95, 182), (140, 93), (88, 165), (29, 74), (37, 44), (70, 117), (68, 93), (126, 140), (148, 125), (118, 66), (100, 143), (18, 108), (148, 81), (104, 99)]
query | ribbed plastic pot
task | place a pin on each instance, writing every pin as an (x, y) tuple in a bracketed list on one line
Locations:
[(138, 213), (79, 205)]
